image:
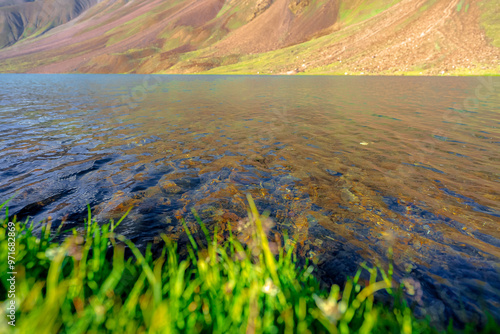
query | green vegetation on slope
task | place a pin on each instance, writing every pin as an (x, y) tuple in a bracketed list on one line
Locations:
[(490, 20), (354, 11)]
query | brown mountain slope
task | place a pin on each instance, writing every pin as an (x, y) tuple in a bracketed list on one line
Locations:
[(282, 24), (266, 36), (406, 38), (417, 37)]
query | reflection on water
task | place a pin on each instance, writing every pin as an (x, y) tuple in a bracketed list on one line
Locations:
[(350, 166)]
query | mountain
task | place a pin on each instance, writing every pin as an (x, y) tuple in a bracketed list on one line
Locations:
[(28, 18), (243, 36)]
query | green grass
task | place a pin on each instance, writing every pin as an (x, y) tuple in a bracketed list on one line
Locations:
[(489, 20), (86, 284), (352, 12)]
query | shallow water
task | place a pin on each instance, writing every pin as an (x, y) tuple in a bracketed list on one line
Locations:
[(348, 165)]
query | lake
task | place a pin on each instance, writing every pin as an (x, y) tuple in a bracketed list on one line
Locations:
[(349, 166)]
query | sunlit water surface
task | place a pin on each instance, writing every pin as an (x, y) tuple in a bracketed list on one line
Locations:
[(349, 166)]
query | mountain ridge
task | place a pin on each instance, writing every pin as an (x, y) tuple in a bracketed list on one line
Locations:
[(26, 18), (267, 37)]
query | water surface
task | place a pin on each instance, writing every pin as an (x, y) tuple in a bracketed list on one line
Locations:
[(350, 166)]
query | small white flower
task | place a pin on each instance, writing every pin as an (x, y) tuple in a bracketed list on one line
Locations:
[(330, 308), (51, 253), (269, 288)]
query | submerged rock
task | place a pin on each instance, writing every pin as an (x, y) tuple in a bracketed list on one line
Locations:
[(348, 196), (169, 186)]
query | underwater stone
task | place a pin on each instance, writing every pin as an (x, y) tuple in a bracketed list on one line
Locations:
[(169, 186), (348, 196)]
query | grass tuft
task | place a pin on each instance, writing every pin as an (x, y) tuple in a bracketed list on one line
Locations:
[(86, 284)]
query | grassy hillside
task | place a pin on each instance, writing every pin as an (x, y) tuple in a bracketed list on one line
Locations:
[(268, 37), (489, 20)]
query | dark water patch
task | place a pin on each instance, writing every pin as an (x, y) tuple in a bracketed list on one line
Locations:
[(424, 166), (413, 211), (333, 173), (33, 208), (469, 201), (446, 139), (386, 117), (457, 154)]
